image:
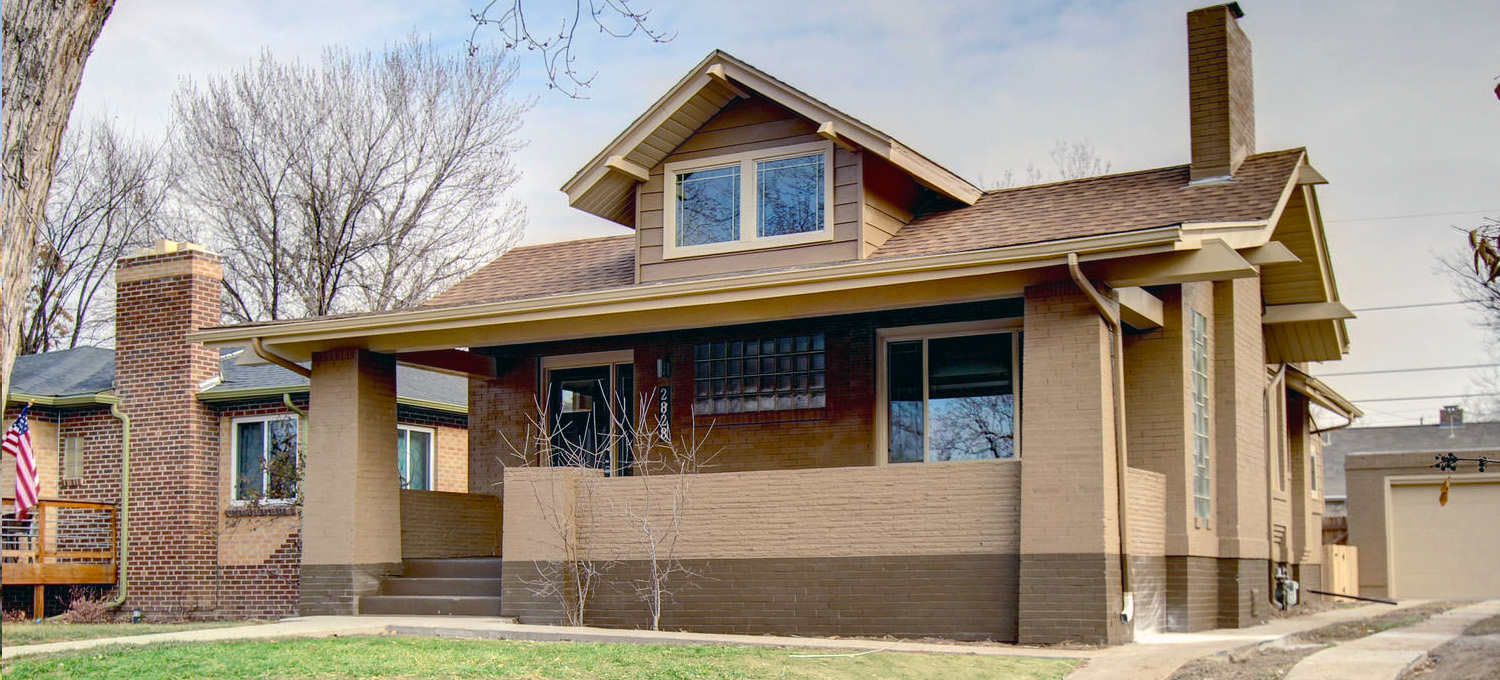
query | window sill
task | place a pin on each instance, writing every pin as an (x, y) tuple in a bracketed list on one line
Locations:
[(759, 417), (266, 509)]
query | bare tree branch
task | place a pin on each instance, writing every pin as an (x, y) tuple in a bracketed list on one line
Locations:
[(367, 182), (554, 48), (1070, 160), (107, 198)]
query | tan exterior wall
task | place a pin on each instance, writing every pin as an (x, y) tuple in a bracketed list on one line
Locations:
[(442, 524), (1240, 420), (1148, 513), (747, 125), (915, 509), (44, 446), (890, 197)]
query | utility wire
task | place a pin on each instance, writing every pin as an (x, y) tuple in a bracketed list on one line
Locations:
[(1381, 218), (1435, 396), (1408, 370)]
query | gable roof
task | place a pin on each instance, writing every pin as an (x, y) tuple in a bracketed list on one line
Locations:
[(64, 373), (605, 185), (1023, 215)]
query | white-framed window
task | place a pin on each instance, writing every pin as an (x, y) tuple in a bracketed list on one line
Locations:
[(1200, 396), (416, 457), (265, 458), (756, 199), (949, 392), (72, 458)]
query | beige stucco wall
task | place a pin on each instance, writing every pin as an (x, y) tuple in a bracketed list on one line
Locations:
[(915, 509)]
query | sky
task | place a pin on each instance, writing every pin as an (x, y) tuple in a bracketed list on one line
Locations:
[(1394, 101)]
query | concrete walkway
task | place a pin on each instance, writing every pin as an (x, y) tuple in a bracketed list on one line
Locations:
[(1157, 656), (505, 629), (1385, 656)]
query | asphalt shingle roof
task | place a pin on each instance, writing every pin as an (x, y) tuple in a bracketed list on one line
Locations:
[(64, 373), (411, 383), (1049, 212)]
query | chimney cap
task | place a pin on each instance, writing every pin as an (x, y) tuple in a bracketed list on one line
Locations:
[(165, 247), (1234, 9)]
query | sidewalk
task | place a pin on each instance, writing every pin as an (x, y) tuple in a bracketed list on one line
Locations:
[(1155, 657), (1384, 656)]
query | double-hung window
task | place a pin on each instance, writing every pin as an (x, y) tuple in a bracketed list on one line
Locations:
[(950, 392), (414, 457), (265, 458), (759, 199)]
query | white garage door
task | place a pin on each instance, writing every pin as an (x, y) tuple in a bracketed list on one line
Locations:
[(1442, 551)]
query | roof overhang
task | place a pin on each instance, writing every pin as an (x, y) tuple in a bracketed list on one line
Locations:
[(1318, 392), (256, 393), (605, 186), (1139, 258), (64, 401)]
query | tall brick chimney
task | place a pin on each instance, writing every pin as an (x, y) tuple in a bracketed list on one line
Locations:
[(1221, 92), (163, 293)]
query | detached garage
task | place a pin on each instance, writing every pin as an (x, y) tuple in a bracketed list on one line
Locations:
[(1410, 544)]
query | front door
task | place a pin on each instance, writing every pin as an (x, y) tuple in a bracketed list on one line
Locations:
[(589, 414)]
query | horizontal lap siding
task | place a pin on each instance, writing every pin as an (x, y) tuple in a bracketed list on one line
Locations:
[(748, 125)]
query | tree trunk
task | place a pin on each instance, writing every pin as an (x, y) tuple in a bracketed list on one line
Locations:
[(46, 45)]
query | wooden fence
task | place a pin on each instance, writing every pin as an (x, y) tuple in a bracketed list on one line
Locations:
[(1341, 569)]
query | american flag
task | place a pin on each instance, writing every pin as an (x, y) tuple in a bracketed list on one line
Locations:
[(18, 443)]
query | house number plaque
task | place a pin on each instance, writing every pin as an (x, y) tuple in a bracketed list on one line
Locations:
[(664, 414)]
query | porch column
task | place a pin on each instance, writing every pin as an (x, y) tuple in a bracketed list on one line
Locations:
[(1070, 567), (351, 516)]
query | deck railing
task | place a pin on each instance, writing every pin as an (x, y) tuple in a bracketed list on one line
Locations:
[(61, 543)]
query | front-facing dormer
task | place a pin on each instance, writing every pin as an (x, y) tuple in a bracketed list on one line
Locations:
[(736, 171)]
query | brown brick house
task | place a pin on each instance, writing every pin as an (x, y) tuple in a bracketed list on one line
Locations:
[(1047, 413), (213, 531)]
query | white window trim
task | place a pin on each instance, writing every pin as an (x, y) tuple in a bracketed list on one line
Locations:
[(748, 239), (234, 470), (614, 358), (431, 451), (885, 336)]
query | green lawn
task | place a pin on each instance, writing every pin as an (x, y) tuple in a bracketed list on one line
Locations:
[(37, 633), (401, 657)]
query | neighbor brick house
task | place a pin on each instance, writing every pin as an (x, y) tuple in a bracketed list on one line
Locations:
[(212, 528), (1040, 414)]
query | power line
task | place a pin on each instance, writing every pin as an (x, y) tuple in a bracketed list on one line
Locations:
[(1381, 218), (1408, 370), (1416, 305), (1436, 396)]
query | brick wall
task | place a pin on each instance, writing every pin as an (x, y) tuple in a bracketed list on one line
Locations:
[(920, 549), (1220, 92), (838, 435), (161, 296), (101, 454), (440, 524)]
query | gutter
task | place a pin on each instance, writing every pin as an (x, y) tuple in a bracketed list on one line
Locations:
[(261, 351), (1122, 461), (114, 410), (62, 401)]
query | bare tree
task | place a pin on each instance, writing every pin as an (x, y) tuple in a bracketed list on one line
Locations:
[(47, 44), (1074, 159), (106, 199), (551, 37), (367, 182)]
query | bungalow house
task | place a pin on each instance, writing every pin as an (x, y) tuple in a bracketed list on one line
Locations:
[(213, 527), (1048, 413)]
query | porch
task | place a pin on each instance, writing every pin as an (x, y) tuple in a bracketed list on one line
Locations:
[(62, 543)]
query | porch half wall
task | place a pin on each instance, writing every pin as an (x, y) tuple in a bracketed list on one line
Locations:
[(904, 550)]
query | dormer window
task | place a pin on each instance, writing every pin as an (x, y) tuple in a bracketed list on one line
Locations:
[(757, 199)]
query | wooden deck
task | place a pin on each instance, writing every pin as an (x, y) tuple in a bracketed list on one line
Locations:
[(61, 543)]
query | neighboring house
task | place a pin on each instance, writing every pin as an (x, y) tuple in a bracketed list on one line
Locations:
[(211, 441), (925, 418), (1410, 544)]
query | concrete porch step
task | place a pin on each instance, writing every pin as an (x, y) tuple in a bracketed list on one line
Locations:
[(429, 605), (452, 567), (457, 587)]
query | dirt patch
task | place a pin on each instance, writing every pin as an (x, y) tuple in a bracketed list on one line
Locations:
[(1274, 660), (1475, 655)]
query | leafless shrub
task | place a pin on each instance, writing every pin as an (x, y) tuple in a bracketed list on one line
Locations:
[(14, 616), (87, 606)]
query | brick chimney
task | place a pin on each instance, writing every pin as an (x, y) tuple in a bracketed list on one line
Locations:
[(1221, 92), (163, 293)]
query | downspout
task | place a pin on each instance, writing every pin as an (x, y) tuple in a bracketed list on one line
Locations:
[(1122, 461), (264, 353), (286, 398), (114, 410), (1273, 450)]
